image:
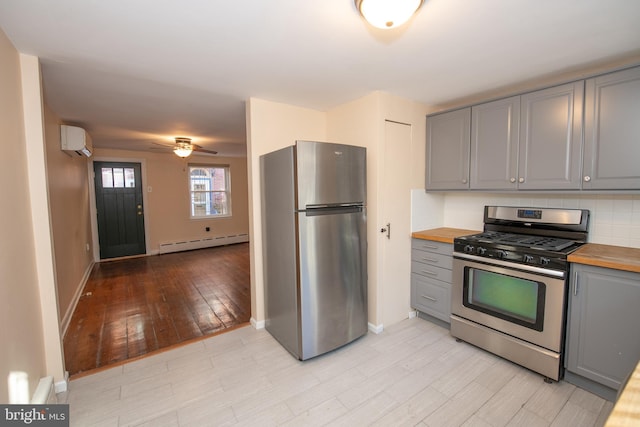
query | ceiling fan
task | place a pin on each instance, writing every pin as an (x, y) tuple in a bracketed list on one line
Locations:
[(184, 147)]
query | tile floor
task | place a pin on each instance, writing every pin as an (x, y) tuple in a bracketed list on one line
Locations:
[(412, 374)]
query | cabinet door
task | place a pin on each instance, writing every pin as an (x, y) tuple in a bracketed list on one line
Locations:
[(612, 132), (448, 139), (602, 338), (494, 144), (431, 296), (551, 138)]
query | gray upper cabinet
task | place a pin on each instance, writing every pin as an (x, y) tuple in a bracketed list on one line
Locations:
[(494, 144), (528, 142), (583, 135), (612, 132), (448, 139), (550, 156)]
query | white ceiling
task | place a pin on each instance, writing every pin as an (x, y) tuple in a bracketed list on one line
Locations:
[(134, 72)]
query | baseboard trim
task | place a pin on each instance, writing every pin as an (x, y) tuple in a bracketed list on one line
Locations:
[(63, 385), (66, 319), (257, 324), (207, 242), (376, 329)]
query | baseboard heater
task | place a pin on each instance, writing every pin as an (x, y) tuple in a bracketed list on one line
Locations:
[(187, 245)]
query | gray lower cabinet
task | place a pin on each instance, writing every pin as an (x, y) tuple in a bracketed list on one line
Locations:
[(431, 264), (612, 132), (603, 342), (447, 152)]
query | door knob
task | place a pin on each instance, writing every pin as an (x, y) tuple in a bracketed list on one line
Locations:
[(387, 229)]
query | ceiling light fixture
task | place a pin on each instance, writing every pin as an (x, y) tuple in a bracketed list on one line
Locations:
[(386, 14), (183, 147)]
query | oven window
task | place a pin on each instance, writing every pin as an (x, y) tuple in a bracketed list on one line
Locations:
[(511, 298)]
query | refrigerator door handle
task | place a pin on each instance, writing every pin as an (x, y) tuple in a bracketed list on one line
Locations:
[(333, 209)]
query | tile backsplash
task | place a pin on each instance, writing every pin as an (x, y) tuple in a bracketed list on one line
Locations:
[(614, 220)]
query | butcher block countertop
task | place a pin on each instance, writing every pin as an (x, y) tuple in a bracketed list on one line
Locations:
[(443, 234), (626, 412), (617, 257)]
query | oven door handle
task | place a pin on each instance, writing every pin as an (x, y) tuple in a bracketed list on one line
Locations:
[(524, 267)]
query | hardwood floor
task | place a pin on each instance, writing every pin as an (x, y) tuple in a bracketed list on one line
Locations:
[(136, 306)]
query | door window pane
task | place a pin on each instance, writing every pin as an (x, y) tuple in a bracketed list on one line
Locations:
[(129, 178), (107, 178), (118, 177)]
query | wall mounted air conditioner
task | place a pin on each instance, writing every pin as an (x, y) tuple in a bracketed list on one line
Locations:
[(73, 138)]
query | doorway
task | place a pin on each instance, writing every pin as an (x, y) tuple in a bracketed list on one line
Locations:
[(119, 209), (396, 241)]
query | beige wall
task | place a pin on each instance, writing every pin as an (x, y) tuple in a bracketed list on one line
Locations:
[(357, 123), (70, 219), (167, 204), (271, 126), (362, 122), (21, 331)]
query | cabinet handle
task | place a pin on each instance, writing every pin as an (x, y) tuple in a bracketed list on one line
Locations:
[(575, 283), (429, 298), (521, 180), (587, 178), (464, 181), (512, 180), (431, 273), (430, 259), (429, 247)]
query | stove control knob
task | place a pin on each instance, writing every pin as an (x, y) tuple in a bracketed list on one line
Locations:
[(528, 259), (468, 249), (544, 261), (502, 254), (481, 251)]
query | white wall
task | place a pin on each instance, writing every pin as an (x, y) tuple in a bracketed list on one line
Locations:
[(614, 220)]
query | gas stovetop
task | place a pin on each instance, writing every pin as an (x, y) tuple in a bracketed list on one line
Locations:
[(534, 236), (522, 241)]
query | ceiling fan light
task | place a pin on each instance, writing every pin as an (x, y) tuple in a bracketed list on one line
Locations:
[(386, 14), (183, 150)]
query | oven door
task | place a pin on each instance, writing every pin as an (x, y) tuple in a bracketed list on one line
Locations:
[(529, 305)]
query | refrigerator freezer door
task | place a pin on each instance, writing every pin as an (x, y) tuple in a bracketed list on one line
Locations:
[(330, 174), (333, 280)]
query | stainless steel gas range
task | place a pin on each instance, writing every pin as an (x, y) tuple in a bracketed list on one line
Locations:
[(510, 284)]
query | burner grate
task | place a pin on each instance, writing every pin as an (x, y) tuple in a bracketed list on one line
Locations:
[(527, 241)]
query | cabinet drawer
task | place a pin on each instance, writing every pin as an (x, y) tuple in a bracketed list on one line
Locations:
[(431, 246), (438, 260), (429, 270), (431, 296)]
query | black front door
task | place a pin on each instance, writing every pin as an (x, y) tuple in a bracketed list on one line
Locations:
[(119, 208)]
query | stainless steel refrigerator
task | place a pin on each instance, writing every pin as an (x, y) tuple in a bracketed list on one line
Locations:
[(314, 246)]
